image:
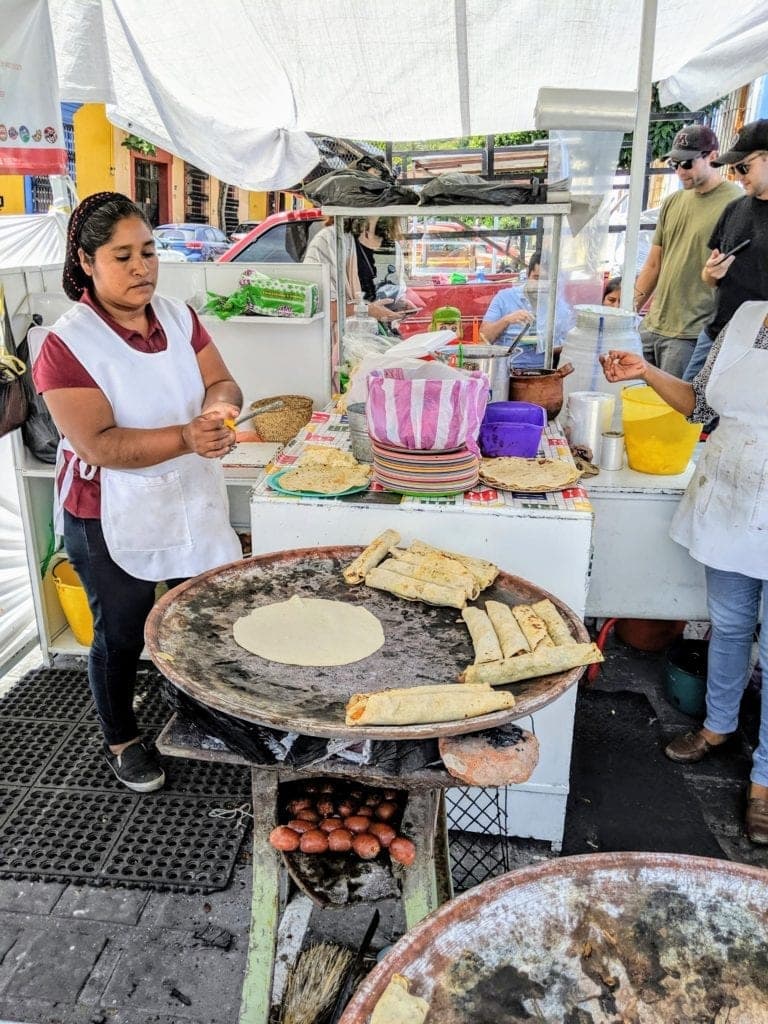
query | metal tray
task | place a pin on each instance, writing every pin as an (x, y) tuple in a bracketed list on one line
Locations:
[(601, 938), (189, 638)]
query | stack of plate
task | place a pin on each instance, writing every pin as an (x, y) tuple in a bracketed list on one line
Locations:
[(424, 473)]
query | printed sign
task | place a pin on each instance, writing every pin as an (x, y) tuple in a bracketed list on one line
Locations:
[(31, 133)]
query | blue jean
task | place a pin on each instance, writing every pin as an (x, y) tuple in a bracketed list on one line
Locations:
[(696, 363), (734, 608), (120, 605)]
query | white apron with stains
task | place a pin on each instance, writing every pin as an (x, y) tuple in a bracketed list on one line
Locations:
[(723, 516), (172, 519)]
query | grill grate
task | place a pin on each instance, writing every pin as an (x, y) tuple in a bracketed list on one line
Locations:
[(477, 855)]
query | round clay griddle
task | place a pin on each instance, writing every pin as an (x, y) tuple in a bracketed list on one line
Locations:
[(648, 937), (189, 638)]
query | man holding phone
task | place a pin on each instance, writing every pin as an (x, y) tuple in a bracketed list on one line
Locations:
[(682, 303), (738, 272)]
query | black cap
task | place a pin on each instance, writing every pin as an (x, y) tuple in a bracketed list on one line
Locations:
[(692, 141), (751, 137)]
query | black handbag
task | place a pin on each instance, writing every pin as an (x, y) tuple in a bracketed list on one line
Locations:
[(14, 403), (39, 432)]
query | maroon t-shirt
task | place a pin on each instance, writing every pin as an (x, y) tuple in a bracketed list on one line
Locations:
[(56, 367)]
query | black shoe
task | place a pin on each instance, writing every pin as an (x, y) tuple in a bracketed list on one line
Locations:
[(137, 768)]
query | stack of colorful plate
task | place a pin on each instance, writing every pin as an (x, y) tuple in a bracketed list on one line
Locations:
[(424, 473)]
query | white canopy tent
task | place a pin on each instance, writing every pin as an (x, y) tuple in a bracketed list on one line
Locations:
[(233, 85)]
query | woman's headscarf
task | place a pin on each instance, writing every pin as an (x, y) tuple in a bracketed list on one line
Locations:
[(74, 278)]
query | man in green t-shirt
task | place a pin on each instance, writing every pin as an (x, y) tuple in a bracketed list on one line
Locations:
[(682, 303)]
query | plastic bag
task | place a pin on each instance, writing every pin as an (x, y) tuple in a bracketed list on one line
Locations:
[(39, 432), (13, 395), (458, 187), (356, 188), (426, 409)]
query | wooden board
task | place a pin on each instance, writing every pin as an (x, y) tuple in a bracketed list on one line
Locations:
[(189, 637)]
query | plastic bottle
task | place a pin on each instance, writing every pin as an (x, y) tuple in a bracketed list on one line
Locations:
[(598, 329), (359, 330)]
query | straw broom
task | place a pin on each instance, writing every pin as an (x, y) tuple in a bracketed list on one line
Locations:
[(314, 983)]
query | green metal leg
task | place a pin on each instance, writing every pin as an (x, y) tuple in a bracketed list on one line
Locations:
[(257, 985), (426, 884)]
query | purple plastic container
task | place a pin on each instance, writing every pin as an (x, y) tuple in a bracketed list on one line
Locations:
[(512, 428)]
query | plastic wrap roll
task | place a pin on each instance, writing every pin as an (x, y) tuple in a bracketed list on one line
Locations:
[(586, 109), (612, 451), (587, 419)]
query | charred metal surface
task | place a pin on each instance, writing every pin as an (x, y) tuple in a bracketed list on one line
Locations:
[(640, 938), (189, 636)]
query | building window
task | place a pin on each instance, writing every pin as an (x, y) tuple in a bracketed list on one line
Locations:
[(40, 194), (231, 210), (196, 187), (147, 189)]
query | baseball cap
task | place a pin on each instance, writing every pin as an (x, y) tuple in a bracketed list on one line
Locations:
[(751, 137), (691, 141)]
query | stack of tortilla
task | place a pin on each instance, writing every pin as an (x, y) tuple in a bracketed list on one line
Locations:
[(420, 572), (325, 470), (528, 475), (522, 642)]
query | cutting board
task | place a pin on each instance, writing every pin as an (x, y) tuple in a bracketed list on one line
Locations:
[(251, 455)]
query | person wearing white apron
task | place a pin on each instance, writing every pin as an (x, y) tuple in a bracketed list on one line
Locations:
[(723, 521), (140, 396)]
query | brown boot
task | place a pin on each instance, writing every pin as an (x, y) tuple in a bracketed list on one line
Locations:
[(689, 747), (756, 821)]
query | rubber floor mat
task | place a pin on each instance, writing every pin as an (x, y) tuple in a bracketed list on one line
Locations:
[(64, 816), (625, 794)]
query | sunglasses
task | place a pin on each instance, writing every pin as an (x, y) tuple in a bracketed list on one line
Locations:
[(743, 167), (685, 164)]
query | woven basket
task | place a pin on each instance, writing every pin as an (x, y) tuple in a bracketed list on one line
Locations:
[(282, 424)]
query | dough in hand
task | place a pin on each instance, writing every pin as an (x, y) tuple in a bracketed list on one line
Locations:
[(310, 631)]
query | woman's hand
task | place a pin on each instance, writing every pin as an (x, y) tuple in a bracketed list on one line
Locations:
[(380, 310), (618, 366), (206, 435)]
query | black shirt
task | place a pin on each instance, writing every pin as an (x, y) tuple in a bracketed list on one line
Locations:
[(747, 278), (366, 270)]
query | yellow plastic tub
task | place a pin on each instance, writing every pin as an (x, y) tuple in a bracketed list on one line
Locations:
[(74, 602), (658, 439)]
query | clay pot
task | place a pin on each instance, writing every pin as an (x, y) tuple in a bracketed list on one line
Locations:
[(542, 387), (649, 634)]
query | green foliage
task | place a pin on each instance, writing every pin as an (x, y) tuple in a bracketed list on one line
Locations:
[(661, 133), (133, 142)]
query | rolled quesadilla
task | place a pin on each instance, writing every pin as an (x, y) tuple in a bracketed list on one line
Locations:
[(484, 640), (376, 552), (556, 625), (511, 638), (533, 627), (421, 705), (543, 662), (435, 569), (484, 572), (416, 590)]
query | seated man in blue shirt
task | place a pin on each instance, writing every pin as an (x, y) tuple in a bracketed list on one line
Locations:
[(511, 313)]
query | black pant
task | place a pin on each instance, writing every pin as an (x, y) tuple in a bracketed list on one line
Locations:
[(120, 604)]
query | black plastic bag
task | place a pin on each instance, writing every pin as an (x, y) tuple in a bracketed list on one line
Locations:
[(38, 430), (458, 187), (356, 188), (13, 395)]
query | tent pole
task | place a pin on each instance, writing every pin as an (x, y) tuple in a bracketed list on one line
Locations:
[(639, 151)]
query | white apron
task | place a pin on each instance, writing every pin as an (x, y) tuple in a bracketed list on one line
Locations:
[(163, 521), (723, 516)]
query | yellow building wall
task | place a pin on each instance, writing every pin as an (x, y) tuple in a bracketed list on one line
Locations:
[(12, 191), (94, 151)]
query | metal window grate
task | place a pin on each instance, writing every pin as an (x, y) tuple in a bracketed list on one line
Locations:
[(231, 210), (196, 189), (481, 850)]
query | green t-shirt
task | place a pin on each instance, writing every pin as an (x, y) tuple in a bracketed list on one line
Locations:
[(682, 303)]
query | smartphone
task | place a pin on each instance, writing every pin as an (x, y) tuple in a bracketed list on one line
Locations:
[(734, 250)]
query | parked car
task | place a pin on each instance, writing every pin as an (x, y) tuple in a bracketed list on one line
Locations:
[(280, 238), (168, 255), (242, 229), (198, 242)]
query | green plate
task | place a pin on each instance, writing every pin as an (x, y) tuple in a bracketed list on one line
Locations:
[(274, 482)]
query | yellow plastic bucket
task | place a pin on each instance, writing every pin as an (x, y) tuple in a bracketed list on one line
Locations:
[(74, 602), (658, 439)]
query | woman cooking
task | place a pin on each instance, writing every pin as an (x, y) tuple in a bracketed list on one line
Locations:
[(723, 521), (140, 395)]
